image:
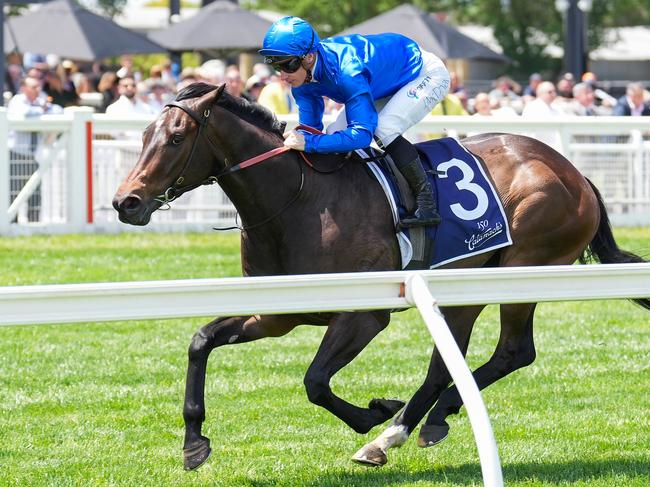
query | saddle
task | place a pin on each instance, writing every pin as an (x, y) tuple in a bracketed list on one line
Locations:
[(473, 218), (325, 163), (423, 246), (332, 162)]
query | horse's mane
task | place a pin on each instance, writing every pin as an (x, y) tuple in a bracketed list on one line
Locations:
[(253, 113)]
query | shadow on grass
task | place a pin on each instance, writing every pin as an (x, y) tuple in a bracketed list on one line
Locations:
[(470, 474)]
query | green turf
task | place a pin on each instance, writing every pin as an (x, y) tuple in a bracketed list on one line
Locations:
[(100, 403)]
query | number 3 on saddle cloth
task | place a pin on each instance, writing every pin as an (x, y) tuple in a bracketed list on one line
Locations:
[(473, 220)]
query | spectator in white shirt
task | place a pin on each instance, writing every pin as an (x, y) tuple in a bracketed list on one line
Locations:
[(482, 106), (30, 102), (542, 108), (584, 102), (128, 103), (158, 95)]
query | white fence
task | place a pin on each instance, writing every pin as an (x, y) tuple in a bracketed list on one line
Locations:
[(82, 158), (356, 291), (67, 303)]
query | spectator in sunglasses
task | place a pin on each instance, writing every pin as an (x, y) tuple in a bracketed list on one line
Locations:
[(128, 103), (386, 83)]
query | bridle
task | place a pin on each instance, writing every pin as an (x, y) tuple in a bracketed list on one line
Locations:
[(177, 189)]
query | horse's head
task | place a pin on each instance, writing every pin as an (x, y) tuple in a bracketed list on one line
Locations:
[(175, 149)]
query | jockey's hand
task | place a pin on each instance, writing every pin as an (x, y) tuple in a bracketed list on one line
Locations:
[(295, 140)]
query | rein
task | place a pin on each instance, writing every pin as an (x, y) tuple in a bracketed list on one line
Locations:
[(177, 189), (261, 158)]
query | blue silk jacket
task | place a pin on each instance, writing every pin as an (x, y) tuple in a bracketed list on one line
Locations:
[(355, 70)]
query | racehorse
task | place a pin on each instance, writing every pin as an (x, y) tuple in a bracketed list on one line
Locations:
[(297, 219)]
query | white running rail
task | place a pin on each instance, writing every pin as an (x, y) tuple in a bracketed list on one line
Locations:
[(337, 292), (110, 301), (97, 152)]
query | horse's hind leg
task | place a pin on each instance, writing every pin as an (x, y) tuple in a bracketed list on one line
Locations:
[(222, 331), (461, 321), (514, 350), (346, 336)]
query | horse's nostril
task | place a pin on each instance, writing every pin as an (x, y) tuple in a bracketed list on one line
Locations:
[(130, 203)]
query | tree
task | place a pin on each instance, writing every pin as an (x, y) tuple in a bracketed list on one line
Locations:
[(110, 8), (332, 16), (524, 29), (519, 28)]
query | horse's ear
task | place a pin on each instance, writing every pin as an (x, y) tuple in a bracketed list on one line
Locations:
[(216, 94)]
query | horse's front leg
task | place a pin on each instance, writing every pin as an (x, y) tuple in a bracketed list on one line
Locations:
[(222, 331), (346, 336)]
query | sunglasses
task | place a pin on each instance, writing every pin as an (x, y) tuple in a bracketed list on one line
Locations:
[(286, 64)]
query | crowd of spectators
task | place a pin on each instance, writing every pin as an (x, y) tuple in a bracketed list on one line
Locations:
[(47, 85), (125, 90), (545, 98)]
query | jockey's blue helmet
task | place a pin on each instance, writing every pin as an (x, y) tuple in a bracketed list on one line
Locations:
[(290, 36)]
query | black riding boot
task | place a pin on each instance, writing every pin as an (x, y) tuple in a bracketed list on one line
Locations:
[(408, 162), (427, 211)]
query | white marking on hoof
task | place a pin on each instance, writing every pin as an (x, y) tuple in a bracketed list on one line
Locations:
[(370, 455), (233, 339), (393, 436), (375, 452)]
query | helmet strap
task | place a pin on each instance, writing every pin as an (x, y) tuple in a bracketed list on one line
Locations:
[(309, 76)]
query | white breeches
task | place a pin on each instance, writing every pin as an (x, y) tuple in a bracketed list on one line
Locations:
[(409, 104)]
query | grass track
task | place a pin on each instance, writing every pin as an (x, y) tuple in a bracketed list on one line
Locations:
[(100, 403)]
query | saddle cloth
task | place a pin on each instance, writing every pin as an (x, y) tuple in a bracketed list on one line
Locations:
[(473, 219)]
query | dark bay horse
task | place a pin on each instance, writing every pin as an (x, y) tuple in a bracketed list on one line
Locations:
[(298, 220)]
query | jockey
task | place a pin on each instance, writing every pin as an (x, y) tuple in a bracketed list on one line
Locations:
[(385, 73)]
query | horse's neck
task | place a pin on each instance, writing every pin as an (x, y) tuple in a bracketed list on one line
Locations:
[(247, 143), (269, 190), (260, 190)]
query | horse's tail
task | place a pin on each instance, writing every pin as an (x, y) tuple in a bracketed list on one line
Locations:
[(603, 247)]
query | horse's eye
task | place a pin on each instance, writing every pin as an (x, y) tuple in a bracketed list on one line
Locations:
[(177, 139)]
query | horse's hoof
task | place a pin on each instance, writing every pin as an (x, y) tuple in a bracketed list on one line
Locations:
[(432, 434), (371, 455), (389, 407), (197, 455)]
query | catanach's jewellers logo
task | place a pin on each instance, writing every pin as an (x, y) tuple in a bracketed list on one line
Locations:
[(476, 240)]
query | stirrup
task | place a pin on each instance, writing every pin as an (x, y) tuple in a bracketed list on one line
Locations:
[(417, 221)]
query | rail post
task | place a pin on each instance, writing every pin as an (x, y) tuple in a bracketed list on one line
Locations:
[(77, 170), (417, 293), (4, 173)]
